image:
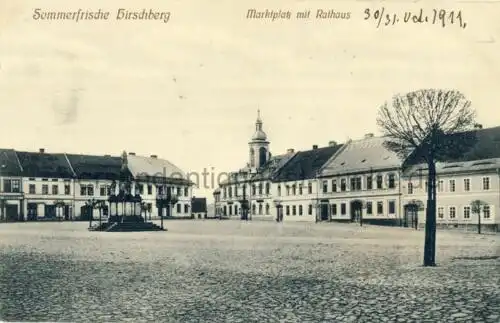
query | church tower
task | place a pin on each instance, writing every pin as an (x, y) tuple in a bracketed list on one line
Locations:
[(259, 146)]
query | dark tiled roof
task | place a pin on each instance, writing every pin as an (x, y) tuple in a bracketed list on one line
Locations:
[(273, 165), (44, 165), (305, 164), (96, 167), (9, 164), (199, 204), (477, 144)]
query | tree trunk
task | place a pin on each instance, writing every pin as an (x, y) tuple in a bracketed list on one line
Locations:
[(479, 222), (430, 217)]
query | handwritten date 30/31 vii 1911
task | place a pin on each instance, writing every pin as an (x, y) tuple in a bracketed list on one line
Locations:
[(440, 17)]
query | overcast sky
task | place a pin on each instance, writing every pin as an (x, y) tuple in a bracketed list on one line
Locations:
[(189, 90)]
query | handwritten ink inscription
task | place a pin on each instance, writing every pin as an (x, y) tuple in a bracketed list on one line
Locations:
[(441, 17)]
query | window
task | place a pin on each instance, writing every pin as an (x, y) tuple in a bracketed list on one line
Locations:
[(342, 185), (486, 183), (67, 189), (466, 184), (392, 207), (380, 180), (102, 190), (279, 190), (294, 189), (440, 185), (369, 208), (186, 191), (150, 190), (268, 189), (45, 189), (451, 185), (260, 209), (310, 209), (380, 208), (440, 212), (90, 189), (486, 211), (410, 188), (11, 186), (466, 212), (325, 186), (186, 208), (254, 189), (159, 190), (426, 187), (267, 209), (230, 191), (300, 189), (32, 189), (300, 209), (260, 189), (310, 188), (288, 210), (343, 210), (55, 189), (356, 184), (334, 185), (179, 209), (392, 181), (452, 212), (369, 182), (294, 210), (141, 189), (334, 209), (179, 192)]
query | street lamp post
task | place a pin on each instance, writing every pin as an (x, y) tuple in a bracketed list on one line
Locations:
[(165, 201)]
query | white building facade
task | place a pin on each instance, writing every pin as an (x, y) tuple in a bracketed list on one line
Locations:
[(362, 183)]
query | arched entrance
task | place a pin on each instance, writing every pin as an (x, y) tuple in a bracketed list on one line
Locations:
[(410, 219), (356, 211)]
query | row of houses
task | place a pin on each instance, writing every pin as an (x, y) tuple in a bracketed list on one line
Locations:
[(362, 180), (41, 185)]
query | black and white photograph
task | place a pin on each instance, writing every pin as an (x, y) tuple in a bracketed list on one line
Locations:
[(252, 161)]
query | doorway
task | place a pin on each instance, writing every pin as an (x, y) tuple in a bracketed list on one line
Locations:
[(324, 212), (356, 211)]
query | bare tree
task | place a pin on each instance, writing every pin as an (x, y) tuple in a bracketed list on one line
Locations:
[(426, 126), (476, 207)]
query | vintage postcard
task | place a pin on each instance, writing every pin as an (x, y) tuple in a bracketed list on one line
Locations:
[(249, 161)]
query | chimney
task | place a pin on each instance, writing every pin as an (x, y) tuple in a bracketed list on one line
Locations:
[(154, 156), (315, 146), (369, 135), (290, 151), (478, 126), (131, 154), (332, 143), (42, 150)]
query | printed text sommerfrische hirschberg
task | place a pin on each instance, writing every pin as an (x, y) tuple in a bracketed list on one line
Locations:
[(89, 15)]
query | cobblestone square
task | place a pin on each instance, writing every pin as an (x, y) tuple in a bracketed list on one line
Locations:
[(232, 271)]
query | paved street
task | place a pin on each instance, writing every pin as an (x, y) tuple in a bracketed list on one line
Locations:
[(231, 271)]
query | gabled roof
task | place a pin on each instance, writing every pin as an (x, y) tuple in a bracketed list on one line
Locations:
[(44, 165), (96, 167), (9, 163), (198, 204), (305, 164), (482, 152), (153, 168), (362, 155), (273, 165)]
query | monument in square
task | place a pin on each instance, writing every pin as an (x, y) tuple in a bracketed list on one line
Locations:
[(125, 207)]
